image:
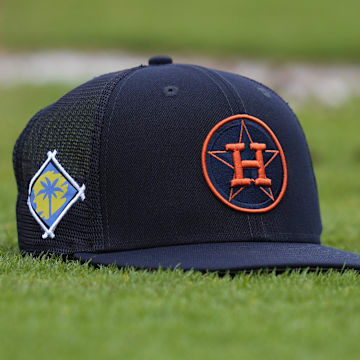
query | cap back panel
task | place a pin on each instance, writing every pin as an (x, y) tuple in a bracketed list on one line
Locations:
[(71, 126)]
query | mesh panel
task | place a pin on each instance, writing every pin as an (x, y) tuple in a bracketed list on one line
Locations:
[(72, 126)]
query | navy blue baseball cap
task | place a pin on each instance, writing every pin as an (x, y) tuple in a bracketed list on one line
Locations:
[(171, 165)]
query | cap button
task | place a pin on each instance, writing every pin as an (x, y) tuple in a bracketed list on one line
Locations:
[(160, 60)]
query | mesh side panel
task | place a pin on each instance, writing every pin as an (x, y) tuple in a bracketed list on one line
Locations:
[(72, 126)]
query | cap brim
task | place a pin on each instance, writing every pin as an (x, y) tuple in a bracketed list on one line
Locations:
[(233, 256)]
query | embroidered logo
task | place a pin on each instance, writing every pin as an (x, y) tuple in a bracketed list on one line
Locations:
[(52, 192), (244, 164)]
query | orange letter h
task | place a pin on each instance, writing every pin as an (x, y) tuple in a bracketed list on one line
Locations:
[(239, 165)]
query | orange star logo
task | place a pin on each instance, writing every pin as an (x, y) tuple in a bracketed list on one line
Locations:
[(232, 157), (247, 163)]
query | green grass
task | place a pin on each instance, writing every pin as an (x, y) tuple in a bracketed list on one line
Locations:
[(52, 309), (280, 29)]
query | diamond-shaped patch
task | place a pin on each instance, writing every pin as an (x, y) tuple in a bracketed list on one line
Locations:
[(52, 192)]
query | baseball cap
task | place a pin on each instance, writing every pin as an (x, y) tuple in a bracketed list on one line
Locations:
[(171, 165)]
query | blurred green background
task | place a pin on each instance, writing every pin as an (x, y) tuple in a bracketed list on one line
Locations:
[(281, 29), (64, 310)]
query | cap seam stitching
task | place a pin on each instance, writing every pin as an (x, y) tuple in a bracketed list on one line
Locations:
[(206, 72), (202, 70), (123, 81), (243, 104)]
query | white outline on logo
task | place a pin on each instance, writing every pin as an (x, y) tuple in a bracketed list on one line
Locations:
[(80, 194)]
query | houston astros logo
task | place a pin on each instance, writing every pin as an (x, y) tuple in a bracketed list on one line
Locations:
[(244, 164)]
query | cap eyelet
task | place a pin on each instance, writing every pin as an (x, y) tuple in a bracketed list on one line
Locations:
[(171, 90)]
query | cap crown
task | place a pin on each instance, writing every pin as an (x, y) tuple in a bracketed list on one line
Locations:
[(136, 138)]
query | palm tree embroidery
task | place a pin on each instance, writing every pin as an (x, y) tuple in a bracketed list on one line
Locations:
[(49, 191)]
